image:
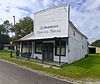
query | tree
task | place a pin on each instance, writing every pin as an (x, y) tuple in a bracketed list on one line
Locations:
[(23, 27), (4, 30), (5, 27), (4, 39), (96, 43)]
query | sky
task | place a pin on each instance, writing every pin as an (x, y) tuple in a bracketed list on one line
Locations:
[(85, 14)]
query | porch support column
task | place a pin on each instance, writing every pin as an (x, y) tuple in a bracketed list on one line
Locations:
[(11, 54), (17, 50), (20, 49), (21, 45), (60, 51), (42, 51), (33, 49)]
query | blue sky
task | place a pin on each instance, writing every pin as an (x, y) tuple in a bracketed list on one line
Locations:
[(85, 14)]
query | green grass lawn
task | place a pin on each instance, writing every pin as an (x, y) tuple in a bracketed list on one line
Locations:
[(86, 68)]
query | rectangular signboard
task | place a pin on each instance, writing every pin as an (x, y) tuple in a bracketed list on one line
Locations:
[(51, 23)]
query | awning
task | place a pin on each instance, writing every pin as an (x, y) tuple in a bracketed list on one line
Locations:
[(32, 36)]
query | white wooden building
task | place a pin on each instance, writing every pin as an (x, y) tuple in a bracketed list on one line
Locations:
[(55, 38)]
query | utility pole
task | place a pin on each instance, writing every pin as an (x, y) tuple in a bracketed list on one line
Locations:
[(15, 37)]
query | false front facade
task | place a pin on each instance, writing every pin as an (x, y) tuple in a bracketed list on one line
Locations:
[(55, 38)]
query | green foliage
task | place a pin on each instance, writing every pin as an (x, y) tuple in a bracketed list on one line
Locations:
[(96, 43), (4, 30), (4, 39), (23, 27), (1, 29), (5, 27), (12, 39)]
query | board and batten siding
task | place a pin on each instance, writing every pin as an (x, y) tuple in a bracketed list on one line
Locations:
[(77, 45)]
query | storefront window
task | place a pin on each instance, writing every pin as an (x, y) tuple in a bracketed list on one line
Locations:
[(63, 48), (24, 47), (27, 46), (38, 48)]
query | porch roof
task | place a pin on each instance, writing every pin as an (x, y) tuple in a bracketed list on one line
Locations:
[(28, 37), (32, 36)]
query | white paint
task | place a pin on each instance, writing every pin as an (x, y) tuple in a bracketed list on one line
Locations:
[(33, 49), (76, 51), (58, 18), (20, 47), (55, 58), (38, 56), (6, 48), (51, 23), (63, 58)]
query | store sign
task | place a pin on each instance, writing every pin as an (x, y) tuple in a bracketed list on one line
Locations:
[(48, 29), (52, 23)]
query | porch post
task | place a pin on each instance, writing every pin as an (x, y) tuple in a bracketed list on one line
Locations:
[(60, 51), (42, 51), (11, 54), (20, 49), (17, 51), (32, 50), (21, 45)]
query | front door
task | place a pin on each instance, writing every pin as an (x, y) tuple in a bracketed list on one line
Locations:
[(48, 51)]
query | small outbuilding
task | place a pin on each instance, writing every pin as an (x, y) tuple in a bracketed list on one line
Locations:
[(93, 50), (8, 47)]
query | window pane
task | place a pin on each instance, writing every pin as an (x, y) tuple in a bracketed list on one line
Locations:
[(39, 49), (58, 49), (24, 48), (36, 49), (63, 51)]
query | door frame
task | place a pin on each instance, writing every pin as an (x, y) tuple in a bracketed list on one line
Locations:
[(52, 44)]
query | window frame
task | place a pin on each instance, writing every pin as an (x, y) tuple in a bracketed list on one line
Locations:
[(74, 33), (63, 45)]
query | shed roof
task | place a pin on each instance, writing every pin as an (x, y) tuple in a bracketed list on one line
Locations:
[(32, 36)]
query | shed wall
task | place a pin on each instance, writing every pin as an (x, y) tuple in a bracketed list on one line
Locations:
[(97, 50)]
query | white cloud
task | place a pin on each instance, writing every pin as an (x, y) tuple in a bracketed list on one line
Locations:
[(84, 13), (91, 4), (87, 19)]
